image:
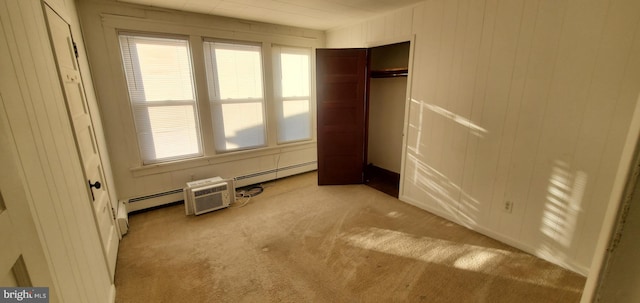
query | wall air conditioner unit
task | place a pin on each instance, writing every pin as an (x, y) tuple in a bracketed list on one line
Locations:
[(207, 195)]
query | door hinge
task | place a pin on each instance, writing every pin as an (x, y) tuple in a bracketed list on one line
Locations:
[(75, 49), (113, 213)]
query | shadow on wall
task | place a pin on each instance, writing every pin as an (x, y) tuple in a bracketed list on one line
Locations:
[(448, 195), (474, 129), (419, 107), (562, 207), (560, 212)]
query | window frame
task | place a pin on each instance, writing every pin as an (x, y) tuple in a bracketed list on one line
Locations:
[(137, 104), (215, 99), (195, 35), (279, 98)]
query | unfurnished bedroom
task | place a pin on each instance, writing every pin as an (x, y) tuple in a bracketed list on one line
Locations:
[(320, 151)]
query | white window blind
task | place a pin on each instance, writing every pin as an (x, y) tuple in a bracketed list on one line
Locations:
[(234, 77), (293, 80), (161, 90)]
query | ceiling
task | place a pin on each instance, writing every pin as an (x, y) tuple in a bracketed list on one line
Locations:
[(313, 14)]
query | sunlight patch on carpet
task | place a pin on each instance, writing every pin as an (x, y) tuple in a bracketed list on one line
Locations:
[(486, 260)]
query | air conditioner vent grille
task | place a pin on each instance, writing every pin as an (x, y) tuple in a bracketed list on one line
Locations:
[(210, 191), (207, 203)]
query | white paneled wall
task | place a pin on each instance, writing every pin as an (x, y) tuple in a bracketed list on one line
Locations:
[(523, 101)]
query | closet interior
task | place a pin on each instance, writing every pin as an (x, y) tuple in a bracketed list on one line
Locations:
[(388, 71)]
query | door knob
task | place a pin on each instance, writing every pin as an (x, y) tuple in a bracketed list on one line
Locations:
[(97, 185)]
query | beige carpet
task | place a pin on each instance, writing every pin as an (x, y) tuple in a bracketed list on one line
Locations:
[(298, 242)]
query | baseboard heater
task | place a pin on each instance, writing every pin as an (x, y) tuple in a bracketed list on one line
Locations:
[(166, 193), (275, 173), (157, 199)]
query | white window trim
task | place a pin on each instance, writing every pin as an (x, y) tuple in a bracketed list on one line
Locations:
[(277, 85), (215, 100), (136, 102), (164, 167), (115, 24)]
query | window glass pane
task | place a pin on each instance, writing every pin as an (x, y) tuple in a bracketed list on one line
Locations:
[(241, 125), (296, 121), (161, 89), (172, 130), (239, 72), (234, 77), (294, 114), (165, 71), (157, 69), (295, 75)]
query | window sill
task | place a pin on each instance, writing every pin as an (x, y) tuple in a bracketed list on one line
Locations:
[(159, 168)]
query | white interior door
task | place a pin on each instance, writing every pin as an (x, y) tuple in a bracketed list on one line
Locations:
[(65, 54)]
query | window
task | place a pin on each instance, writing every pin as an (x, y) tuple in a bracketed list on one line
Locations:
[(163, 82), (161, 90), (292, 93), (234, 77)]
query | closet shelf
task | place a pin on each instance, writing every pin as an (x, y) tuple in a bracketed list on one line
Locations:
[(389, 72)]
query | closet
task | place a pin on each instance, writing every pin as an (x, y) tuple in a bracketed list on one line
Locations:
[(361, 97), (387, 95)]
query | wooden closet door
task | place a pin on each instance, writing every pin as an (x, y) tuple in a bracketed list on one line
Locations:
[(341, 76)]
